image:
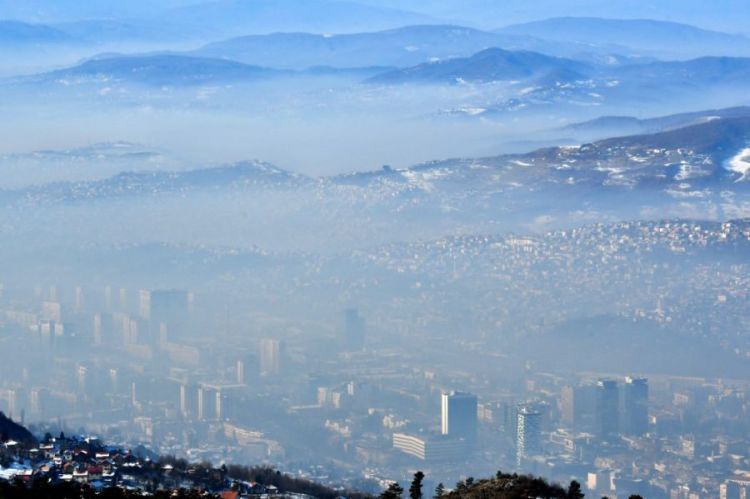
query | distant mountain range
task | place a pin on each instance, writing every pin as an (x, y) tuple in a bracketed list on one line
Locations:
[(175, 70), (542, 78), (92, 162), (237, 176), (398, 47), (299, 39), (629, 125), (624, 30), (168, 22), (705, 70), (488, 65), (679, 161), (723, 15), (45, 11), (159, 70), (503, 65), (536, 83), (687, 159), (653, 38), (127, 32), (241, 17), (18, 34), (220, 17), (699, 171), (405, 46)]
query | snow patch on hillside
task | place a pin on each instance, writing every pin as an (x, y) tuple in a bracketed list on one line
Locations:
[(741, 164)]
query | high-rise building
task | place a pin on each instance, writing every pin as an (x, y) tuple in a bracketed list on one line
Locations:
[(123, 300), (737, 487), (82, 375), (218, 405), (13, 411), (528, 434), (607, 409), (108, 298), (578, 407), (354, 330), (240, 375), (567, 405), (144, 304), (635, 406), (99, 328), (171, 308), (201, 402), (509, 419), (38, 399), (52, 311), (459, 415), (114, 380), (189, 403), (79, 300), (133, 395), (271, 354)]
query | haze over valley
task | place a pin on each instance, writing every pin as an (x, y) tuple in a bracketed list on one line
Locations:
[(352, 240)]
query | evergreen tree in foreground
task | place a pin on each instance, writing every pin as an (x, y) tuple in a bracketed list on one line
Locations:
[(574, 490), (394, 491), (439, 490), (415, 490)]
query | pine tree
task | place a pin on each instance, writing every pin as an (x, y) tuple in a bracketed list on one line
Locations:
[(415, 490), (439, 490), (574, 490), (394, 491)]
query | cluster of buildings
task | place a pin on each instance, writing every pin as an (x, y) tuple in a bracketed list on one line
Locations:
[(94, 464), (690, 277), (78, 459), (345, 400)]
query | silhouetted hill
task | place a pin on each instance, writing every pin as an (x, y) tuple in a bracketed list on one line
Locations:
[(696, 72), (20, 34), (160, 70), (505, 486), (10, 430), (235, 176), (630, 125)]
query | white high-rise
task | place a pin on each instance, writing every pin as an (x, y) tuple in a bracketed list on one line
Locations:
[(528, 434)]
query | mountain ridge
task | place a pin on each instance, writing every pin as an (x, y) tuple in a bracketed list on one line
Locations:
[(493, 64), (659, 123), (402, 46), (267, 16), (162, 69), (691, 158), (655, 37), (23, 34)]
